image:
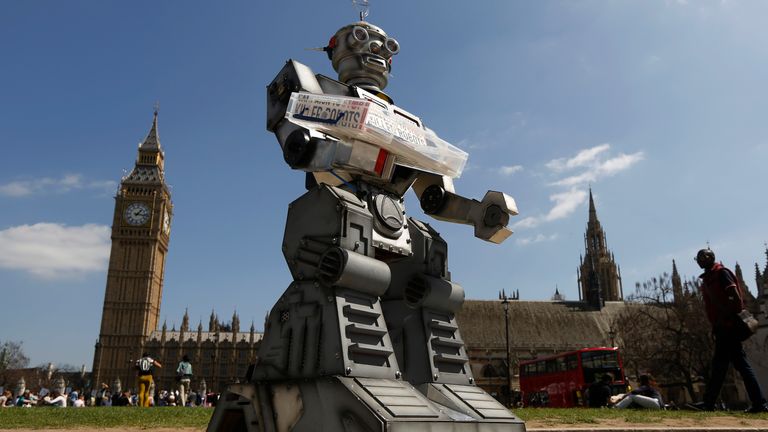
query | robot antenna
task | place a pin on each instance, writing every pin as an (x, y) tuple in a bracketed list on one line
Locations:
[(362, 5)]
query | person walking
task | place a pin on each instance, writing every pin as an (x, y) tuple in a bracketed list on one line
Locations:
[(184, 375), (145, 366), (723, 301)]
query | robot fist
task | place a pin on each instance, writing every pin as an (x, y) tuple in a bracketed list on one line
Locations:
[(491, 216)]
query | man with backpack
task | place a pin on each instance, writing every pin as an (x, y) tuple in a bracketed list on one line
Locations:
[(145, 366), (723, 301)]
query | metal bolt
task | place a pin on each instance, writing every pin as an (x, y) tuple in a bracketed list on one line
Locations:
[(348, 370), (436, 376), (471, 380), (316, 284), (300, 276), (335, 240), (398, 375), (330, 299)]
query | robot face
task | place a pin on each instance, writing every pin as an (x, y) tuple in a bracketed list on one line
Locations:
[(362, 53)]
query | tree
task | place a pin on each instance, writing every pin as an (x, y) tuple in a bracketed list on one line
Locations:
[(666, 334), (12, 356)]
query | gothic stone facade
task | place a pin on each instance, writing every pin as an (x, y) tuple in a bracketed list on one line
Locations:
[(141, 229)]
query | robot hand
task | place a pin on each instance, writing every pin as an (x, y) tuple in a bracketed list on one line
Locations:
[(491, 216)]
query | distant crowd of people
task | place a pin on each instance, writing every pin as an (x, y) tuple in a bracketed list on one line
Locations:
[(105, 396)]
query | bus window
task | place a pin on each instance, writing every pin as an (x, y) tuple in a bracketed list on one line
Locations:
[(571, 362), (598, 363)]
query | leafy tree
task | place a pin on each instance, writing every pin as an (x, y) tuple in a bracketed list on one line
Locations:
[(666, 333)]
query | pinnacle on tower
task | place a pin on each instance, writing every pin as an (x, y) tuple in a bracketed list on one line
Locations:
[(677, 284), (592, 210), (152, 141), (185, 321)]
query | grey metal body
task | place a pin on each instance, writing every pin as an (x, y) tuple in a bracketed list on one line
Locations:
[(365, 338)]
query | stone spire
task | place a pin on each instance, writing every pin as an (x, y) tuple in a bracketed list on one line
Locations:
[(152, 141), (235, 323), (599, 276), (749, 300), (592, 210), (149, 168), (162, 335), (213, 324), (253, 332), (199, 332), (677, 284), (185, 321)]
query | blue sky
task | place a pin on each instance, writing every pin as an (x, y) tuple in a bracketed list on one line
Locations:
[(659, 105)]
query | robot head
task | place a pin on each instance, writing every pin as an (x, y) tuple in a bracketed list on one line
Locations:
[(362, 53)]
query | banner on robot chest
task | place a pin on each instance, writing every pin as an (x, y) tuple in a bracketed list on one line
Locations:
[(348, 118)]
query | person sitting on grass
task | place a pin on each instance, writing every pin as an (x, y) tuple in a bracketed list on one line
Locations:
[(599, 392), (57, 400), (644, 396)]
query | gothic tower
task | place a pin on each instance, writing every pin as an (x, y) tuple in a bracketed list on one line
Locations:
[(599, 277), (677, 284), (140, 235)]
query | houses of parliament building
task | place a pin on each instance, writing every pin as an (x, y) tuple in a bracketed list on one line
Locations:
[(141, 230)]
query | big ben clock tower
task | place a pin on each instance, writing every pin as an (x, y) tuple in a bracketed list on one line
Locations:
[(141, 228)]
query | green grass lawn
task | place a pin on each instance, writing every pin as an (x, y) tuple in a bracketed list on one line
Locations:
[(171, 417), (97, 417), (591, 415)]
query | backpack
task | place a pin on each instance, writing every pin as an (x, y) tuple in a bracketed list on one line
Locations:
[(144, 364)]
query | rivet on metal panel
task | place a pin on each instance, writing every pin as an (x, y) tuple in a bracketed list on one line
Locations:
[(398, 375), (330, 299), (471, 380), (436, 376), (335, 240), (348, 370)]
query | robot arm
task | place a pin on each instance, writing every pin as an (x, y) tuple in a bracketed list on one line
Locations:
[(489, 216)]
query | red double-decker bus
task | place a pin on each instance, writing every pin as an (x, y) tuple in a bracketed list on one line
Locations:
[(560, 380)]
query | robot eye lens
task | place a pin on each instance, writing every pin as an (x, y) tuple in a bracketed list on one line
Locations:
[(392, 46), (360, 34)]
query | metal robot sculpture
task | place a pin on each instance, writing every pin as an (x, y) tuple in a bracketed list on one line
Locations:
[(365, 338)]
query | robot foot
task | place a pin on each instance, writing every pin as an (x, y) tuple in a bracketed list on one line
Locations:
[(337, 403)]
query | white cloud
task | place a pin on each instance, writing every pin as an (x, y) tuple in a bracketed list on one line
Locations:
[(66, 183), (536, 239), (53, 251), (565, 204), (508, 170), (599, 169), (527, 222), (582, 158)]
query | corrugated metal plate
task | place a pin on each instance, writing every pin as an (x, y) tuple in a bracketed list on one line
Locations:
[(479, 401), (399, 399)]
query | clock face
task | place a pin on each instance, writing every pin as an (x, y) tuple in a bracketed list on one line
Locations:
[(167, 222), (136, 214)]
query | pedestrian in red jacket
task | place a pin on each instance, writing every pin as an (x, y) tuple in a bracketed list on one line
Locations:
[(723, 300)]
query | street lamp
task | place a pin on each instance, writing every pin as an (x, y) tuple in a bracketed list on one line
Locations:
[(505, 302)]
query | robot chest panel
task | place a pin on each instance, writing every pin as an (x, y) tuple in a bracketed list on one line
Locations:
[(390, 225)]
